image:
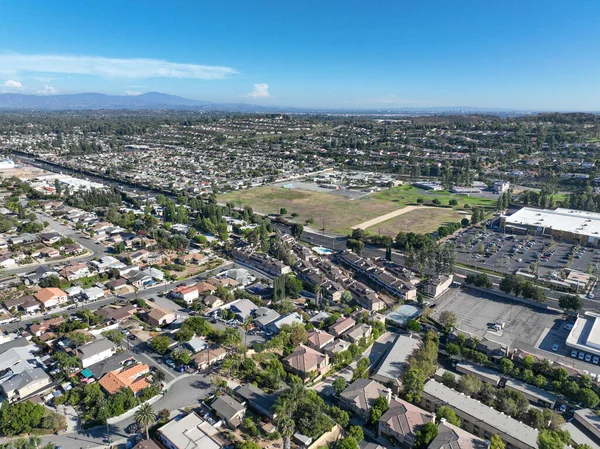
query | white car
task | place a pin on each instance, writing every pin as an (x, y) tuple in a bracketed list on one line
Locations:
[(581, 356), (590, 296), (554, 347), (588, 357), (574, 353), (596, 360)]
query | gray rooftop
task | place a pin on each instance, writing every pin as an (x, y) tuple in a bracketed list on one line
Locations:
[(96, 347), (393, 363), (227, 407), (468, 406)]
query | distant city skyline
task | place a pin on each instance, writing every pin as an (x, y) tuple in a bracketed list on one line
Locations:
[(534, 55)]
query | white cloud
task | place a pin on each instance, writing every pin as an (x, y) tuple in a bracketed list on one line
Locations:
[(12, 84), (47, 90), (132, 93), (260, 91), (109, 67)]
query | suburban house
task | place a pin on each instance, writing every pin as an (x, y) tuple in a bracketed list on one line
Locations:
[(402, 420), (189, 432), (341, 325), (318, 339), (75, 271), (360, 395), (205, 288), (335, 347), (27, 303), (257, 399), (39, 328), (159, 316), (127, 377), (51, 297), (96, 352), (186, 294), (208, 357), (212, 301), (359, 331), (229, 410), (24, 383), (307, 362), (265, 316), (117, 313), (275, 326), (93, 293)]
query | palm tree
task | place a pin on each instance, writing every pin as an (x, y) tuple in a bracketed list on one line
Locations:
[(284, 407), (246, 325), (144, 416), (286, 427)]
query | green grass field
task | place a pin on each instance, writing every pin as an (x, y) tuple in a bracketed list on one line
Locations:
[(408, 195), (341, 213)]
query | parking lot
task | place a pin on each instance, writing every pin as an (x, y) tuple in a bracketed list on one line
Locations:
[(543, 332), (508, 253), (476, 311)]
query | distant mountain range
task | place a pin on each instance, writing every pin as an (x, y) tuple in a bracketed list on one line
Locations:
[(150, 100), (157, 100)]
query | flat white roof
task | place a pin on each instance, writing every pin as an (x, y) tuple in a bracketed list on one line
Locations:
[(585, 334), (189, 432), (566, 220)]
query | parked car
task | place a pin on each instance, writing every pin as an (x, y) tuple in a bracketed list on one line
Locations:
[(596, 360), (132, 428), (554, 347), (568, 327), (588, 357), (581, 356)]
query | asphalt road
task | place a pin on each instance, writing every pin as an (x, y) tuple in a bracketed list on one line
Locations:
[(147, 293), (186, 391), (96, 249)]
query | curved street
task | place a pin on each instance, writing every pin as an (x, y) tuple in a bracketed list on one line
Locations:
[(184, 391)]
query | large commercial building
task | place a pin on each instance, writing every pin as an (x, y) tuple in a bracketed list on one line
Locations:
[(585, 335), (565, 224)]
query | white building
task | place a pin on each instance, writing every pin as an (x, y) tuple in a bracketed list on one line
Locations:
[(96, 352), (585, 335), (565, 224), (500, 186), (93, 293), (190, 432)]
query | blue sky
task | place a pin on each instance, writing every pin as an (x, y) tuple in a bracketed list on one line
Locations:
[(528, 54)]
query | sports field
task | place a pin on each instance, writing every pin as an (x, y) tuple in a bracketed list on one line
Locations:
[(422, 220), (341, 213)]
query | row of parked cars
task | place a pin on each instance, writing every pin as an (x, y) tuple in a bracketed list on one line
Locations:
[(585, 356)]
